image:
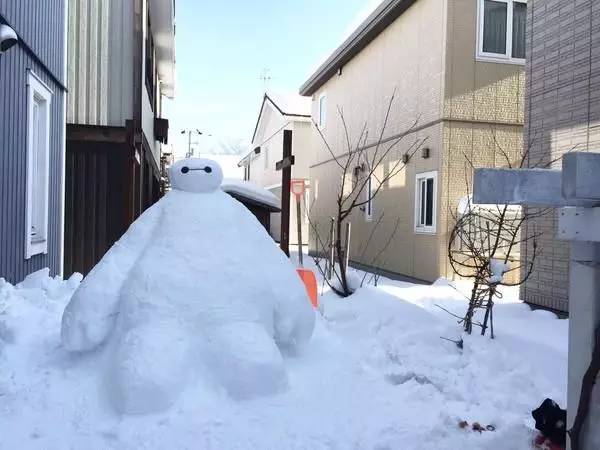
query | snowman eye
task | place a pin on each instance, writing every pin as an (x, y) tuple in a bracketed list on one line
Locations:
[(185, 169), (208, 169)]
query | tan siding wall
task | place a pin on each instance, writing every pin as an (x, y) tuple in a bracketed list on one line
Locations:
[(563, 113), (476, 90), (428, 55), (483, 145)]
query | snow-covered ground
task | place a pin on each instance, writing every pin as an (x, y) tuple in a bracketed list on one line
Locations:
[(376, 376)]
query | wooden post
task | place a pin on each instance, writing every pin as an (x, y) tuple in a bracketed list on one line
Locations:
[(331, 255), (347, 245), (299, 226), (286, 177)]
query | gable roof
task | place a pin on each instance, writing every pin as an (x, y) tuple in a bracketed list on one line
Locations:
[(288, 105), (383, 16)]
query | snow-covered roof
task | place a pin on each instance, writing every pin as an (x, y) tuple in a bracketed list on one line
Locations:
[(252, 192), (289, 103)]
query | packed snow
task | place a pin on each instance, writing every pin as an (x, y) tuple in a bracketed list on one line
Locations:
[(194, 289), (376, 375)]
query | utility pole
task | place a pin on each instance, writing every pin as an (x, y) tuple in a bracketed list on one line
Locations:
[(189, 132)]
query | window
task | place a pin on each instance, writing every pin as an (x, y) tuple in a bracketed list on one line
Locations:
[(38, 161), (501, 35), (425, 202), (266, 153), (369, 200), (322, 110)]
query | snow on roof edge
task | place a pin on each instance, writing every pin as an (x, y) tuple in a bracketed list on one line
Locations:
[(252, 191)]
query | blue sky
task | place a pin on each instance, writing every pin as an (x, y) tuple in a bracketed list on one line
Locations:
[(223, 47)]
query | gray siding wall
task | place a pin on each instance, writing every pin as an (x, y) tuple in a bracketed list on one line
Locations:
[(41, 26), (562, 113), (100, 62)]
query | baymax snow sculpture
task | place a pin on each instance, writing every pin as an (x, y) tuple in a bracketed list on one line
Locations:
[(195, 288)]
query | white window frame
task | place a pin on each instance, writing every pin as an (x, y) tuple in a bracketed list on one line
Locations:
[(322, 112), (37, 91), (497, 57), (369, 199), (421, 228)]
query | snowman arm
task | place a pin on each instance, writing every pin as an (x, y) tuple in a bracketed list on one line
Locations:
[(294, 320), (90, 315)]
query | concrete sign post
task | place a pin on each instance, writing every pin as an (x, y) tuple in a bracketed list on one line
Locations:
[(575, 192)]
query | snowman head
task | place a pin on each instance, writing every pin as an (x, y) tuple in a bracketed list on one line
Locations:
[(196, 175)]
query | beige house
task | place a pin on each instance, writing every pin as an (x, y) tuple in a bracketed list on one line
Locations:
[(562, 114), (457, 68), (279, 112)]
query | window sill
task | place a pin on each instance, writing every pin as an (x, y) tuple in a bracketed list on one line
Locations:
[(36, 248), (424, 230), (500, 60)]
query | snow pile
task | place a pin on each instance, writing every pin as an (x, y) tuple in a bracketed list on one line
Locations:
[(497, 268), (195, 288), (251, 191), (376, 376)]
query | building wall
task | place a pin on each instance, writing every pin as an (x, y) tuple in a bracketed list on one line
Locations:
[(463, 106), (269, 137), (562, 114), (407, 58), (483, 111), (148, 114), (100, 58), (42, 28)]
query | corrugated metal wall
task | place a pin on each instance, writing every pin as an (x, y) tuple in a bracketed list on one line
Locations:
[(100, 71), (88, 66), (41, 26)]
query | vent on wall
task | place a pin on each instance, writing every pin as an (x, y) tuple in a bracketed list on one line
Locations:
[(161, 130), (425, 152)]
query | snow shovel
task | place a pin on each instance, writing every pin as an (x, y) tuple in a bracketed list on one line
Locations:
[(310, 282)]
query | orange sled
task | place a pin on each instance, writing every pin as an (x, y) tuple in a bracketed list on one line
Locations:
[(310, 282)]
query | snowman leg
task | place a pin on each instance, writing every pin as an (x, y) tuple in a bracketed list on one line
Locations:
[(149, 368), (246, 360)]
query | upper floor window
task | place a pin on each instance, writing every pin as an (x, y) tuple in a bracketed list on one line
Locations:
[(322, 110), (501, 34), (39, 98)]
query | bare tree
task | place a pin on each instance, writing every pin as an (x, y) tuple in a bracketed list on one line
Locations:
[(484, 246), (359, 184)]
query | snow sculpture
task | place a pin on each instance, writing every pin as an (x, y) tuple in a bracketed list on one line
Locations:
[(195, 287)]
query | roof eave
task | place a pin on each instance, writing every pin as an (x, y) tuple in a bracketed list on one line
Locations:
[(379, 20)]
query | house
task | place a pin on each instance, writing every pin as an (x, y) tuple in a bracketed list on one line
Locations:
[(32, 136), (279, 112), (562, 113), (457, 70), (121, 64)]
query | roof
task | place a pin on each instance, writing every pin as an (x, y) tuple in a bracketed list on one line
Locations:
[(252, 194), (383, 16), (287, 104), (162, 17)]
